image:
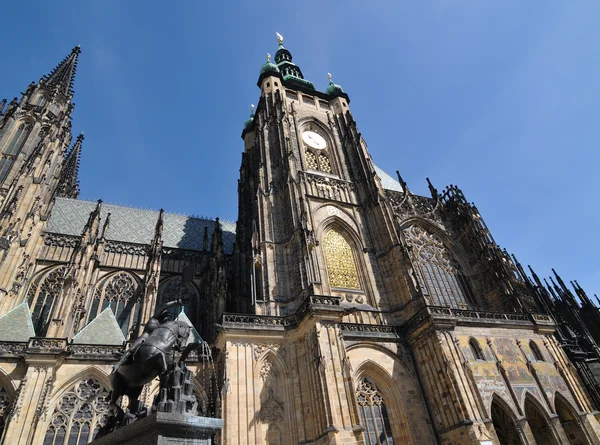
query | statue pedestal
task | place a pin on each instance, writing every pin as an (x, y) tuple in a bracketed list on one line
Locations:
[(161, 428)]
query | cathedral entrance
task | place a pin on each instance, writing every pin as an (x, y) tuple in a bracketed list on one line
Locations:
[(505, 427), (570, 422), (540, 428)]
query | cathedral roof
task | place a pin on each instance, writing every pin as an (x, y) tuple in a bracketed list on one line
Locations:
[(387, 182), (137, 225), (102, 330), (16, 324)]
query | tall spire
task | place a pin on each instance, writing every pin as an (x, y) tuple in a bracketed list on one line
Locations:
[(289, 70), (68, 185), (63, 76)]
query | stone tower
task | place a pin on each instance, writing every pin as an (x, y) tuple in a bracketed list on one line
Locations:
[(367, 312), (35, 133)]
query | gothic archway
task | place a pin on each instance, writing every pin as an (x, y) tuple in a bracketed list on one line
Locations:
[(538, 422), (570, 421), (504, 423)]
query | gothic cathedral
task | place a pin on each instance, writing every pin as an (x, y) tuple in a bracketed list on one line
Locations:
[(341, 307)]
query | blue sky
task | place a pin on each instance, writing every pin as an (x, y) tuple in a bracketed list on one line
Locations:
[(500, 98)]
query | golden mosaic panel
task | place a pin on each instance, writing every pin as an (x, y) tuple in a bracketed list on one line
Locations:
[(340, 261), (311, 160), (325, 164)]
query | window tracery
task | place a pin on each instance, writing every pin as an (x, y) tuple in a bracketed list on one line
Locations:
[(42, 297), (175, 289), (439, 274), (13, 148), (120, 292), (373, 414), (79, 414), (340, 260)]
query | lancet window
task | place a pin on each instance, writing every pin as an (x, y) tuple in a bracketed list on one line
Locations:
[(438, 273), (476, 350), (42, 298), (120, 292), (79, 414), (341, 264), (373, 414), (13, 148), (536, 351)]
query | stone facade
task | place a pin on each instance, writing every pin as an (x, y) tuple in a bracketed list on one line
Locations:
[(343, 308)]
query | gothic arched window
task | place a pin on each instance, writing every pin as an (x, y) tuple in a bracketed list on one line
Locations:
[(536, 351), (79, 414), (373, 414), (13, 148), (42, 297), (121, 293), (438, 273), (476, 350), (341, 264), (175, 289)]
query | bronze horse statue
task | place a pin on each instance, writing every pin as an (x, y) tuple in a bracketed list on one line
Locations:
[(162, 343)]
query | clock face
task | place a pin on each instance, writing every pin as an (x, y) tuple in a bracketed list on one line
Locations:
[(314, 140)]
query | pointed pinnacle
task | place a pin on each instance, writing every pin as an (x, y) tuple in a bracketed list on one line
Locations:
[(62, 77)]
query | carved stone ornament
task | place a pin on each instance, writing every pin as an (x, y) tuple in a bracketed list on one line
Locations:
[(268, 369), (261, 348), (272, 410)]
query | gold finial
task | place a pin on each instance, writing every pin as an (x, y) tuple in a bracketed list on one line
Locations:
[(329, 76), (268, 57), (279, 38), (252, 109)]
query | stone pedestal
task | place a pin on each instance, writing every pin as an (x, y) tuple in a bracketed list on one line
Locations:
[(165, 429)]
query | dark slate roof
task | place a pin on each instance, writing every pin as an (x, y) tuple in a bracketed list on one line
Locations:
[(16, 324), (387, 181), (137, 225), (102, 330)]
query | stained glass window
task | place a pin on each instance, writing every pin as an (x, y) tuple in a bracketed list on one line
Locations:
[(341, 264), (121, 293), (438, 273), (79, 414), (373, 414), (42, 297)]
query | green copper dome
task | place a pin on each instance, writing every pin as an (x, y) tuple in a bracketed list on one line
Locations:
[(250, 120), (333, 88), (269, 66)]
